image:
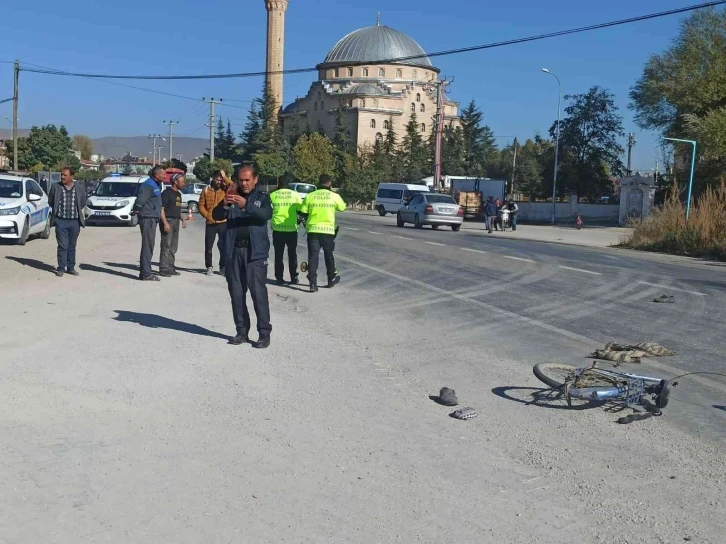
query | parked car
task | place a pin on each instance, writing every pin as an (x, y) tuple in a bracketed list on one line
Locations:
[(198, 187), (190, 199), (113, 200), (391, 197), (24, 209), (431, 209), (302, 188)]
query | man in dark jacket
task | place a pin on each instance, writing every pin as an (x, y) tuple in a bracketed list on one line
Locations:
[(148, 208), (248, 247), (67, 200), (490, 212)]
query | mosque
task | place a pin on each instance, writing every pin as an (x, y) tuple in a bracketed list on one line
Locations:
[(375, 94)]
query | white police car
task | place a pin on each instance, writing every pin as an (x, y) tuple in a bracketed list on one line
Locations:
[(24, 209), (113, 200)]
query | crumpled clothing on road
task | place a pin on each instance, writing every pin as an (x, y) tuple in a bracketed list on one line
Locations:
[(625, 353)]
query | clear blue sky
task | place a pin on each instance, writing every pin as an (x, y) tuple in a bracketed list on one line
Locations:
[(189, 37)]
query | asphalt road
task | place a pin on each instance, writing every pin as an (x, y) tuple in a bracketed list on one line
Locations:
[(539, 301)]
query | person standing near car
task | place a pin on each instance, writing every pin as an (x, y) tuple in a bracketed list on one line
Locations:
[(148, 208), (513, 212), (319, 209), (490, 212), (171, 221), (248, 247), (67, 200), (286, 204), (211, 203)]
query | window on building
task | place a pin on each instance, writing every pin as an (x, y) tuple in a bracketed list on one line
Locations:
[(413, 107), (316, 106), (418, 97), (320, 96), (381, 72), (336, 73), (362, 103), (415, 74), (423, 108), (423, 127), (399, 72), (350, 72), (379, 137), (322, 106), (386, 124), (350, 103), (375, 102), (373, 123), (365, 72)]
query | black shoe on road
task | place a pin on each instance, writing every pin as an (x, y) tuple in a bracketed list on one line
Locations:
[(150, 278), (73, 272), (175, 272), (313, 288), (295, 280), (165, 273), (262, 343), (59, 273), (335, 281), (280, 282), (240, 339)]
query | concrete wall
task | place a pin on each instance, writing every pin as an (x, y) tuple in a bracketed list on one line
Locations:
[(541, 212)]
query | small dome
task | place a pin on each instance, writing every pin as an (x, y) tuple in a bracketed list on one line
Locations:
[(368, 89), (291, 108), (377, 43)]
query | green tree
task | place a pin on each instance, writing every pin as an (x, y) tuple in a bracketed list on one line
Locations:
[(204, 168), (360, 178), (313, 156), (589, 144), (414, 153), (83, 144), (341, 142), (49, 146), (176, 163), (453, 152), (528, 178), (250, 134), (272, 165), (479, 149)]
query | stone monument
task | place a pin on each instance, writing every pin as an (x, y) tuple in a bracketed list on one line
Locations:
[(636, 197)]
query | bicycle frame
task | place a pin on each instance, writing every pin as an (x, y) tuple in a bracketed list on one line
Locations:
[(632, 392)]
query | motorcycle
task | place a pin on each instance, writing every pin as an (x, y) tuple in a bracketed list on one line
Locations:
[(504, 219)]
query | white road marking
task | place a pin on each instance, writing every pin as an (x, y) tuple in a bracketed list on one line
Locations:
[(433, 243), (373, 232), (350, 228), (672, 288), (581, 270), (518, 259), (403, 238), (472, 250)]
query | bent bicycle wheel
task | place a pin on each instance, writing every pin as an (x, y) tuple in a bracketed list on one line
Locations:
[(553, 374)]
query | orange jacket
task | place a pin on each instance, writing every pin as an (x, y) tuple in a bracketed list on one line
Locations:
[(208, 200)]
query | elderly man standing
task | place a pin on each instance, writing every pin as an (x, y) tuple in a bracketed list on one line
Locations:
[(67, 200), (211, 203), (148, 208), (171, 220)]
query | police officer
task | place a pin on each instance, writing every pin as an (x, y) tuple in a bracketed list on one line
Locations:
[(319, 209), (247, 247), (285, 206)]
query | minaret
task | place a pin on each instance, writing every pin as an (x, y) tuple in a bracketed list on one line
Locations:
[(275, 47)]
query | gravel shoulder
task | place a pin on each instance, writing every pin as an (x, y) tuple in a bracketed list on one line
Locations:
[(127, 418)]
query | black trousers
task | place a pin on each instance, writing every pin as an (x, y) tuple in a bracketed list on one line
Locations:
[(169, 245), (281, 240), (243, 275), (66, 234), (316, 242), (148, 241), (210, 232)]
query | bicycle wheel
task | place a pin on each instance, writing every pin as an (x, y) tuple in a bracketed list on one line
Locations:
[(553, 374)]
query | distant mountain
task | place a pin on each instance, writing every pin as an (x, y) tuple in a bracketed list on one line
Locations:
[(140, 146)]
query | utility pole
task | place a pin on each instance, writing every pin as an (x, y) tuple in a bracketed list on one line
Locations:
[(154, 137), (441, 88), (514, 166), (16, 78), (171, 137), (212, 102), (631, 144)]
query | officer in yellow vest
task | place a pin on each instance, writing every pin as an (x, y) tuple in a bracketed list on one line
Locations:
[(319, 209), (285, 206)]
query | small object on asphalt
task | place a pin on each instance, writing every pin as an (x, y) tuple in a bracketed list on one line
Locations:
[(665, 299), (210, 271), (464, 413), (621, 353), (447, 397)]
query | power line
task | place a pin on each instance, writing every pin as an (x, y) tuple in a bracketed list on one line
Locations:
[(460, 50)]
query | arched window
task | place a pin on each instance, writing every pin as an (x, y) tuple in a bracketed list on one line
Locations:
[(316, 106), (337, 72), (320, 96), (413, 107), (373, 123), (350, 72), (381, 72), (418, 97), (423, 108), (362, 103), (322, 106), (379, 137), (365, 72), (415, 74), (399, 72), (375, 102), (423, 127), (350, 103), (386, 124)]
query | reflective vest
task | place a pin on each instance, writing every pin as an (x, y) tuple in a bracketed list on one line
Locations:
[(320, 206), (285, 205)]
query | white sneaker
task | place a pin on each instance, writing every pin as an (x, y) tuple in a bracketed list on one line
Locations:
[(210, 271)]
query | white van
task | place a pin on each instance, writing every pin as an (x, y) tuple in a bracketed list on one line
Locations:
[(113, 200), (390, 197)]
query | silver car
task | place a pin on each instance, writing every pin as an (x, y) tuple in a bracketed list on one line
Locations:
[(431, 209)]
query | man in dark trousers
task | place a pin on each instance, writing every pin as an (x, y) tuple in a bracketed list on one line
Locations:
[(248, 247), (211, 202), (148, 208), (67, 200), (490, 212), (286, 204), (171, 222)]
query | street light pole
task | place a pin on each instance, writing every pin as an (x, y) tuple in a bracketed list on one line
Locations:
[(557, 143), (693, 166)]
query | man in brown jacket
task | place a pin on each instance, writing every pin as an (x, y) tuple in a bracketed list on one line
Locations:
[(211, 206)]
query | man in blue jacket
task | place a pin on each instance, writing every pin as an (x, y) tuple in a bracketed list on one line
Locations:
[(148, 208), (248, 247)]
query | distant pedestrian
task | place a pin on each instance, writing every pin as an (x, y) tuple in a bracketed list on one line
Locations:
[(490, 213), (286, 204), (211, 206), (513, 213), (171, 222), (498, 221), (319, 209), (248, 247), (67, 200), (148, 208)]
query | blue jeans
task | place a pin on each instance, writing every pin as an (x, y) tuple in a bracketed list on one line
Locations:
[(513, 219), (66, 234)]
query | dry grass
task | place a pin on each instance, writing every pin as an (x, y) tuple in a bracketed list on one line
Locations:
[(666, 229)]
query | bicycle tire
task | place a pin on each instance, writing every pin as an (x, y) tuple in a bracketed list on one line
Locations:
[(553, 374)]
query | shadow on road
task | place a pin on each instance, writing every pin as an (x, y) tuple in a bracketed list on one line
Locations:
[(103, 270), (127, 266), (544, 398), (154, 321), (32, 263)]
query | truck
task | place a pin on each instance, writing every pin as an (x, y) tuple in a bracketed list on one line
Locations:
[(487, 187), (470, 202)]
